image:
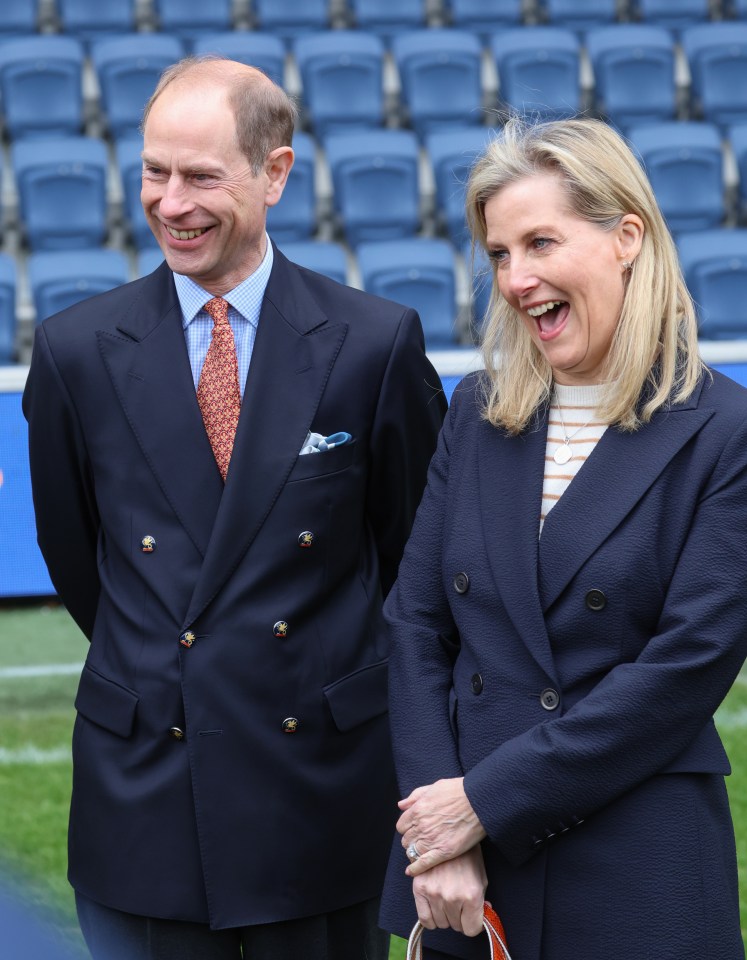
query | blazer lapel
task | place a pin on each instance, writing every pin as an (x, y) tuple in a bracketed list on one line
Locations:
[(149, 366), (295, 349), (511, 525), (618, 473)]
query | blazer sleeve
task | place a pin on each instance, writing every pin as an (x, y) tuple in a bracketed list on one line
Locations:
[(66, 516), (643, 714), (423, 640), (409, 413)]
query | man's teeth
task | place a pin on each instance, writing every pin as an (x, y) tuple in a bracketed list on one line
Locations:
[(543, 308), (185, 234)]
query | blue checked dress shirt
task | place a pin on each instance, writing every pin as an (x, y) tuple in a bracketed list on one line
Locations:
[(244, 305)]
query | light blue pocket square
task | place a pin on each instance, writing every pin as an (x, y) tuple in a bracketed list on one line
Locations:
[(316, 443)]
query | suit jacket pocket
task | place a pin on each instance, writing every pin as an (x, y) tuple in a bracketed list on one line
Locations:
[(105, 702), (359, 696), (311, 465)]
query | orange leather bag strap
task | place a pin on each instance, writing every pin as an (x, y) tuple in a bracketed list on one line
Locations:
[(491, 923)]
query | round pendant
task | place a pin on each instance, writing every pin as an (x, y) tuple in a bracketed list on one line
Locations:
[(562, 454)]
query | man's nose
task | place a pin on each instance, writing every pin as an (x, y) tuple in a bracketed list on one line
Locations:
[(175, 200)]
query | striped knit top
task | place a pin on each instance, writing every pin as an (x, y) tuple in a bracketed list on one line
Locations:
[(575, 409)]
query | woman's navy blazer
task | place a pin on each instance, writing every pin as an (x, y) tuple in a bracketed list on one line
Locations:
[(572, 678)]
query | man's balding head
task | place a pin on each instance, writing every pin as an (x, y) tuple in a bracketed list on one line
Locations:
[(264, 114)]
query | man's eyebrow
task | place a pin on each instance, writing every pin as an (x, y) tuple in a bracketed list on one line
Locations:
[(196, 168)]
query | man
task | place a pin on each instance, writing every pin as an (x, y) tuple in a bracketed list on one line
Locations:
[(232, 787)]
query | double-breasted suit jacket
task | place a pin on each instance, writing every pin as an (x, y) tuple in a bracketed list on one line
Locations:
[(231, 745), (572, 678)]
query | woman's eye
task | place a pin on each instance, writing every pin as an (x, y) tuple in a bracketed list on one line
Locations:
[(497, 256), (541, 242)]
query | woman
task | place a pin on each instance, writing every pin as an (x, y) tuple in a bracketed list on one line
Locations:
[(571, 610)]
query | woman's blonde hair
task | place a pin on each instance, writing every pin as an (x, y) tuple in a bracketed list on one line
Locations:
[(655, 345)]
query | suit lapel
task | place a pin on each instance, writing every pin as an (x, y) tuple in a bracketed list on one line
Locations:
[(618, 473), (515, 464), (295, 349), (149, 366)]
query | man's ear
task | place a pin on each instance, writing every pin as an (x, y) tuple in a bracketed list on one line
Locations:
[(277, 167)]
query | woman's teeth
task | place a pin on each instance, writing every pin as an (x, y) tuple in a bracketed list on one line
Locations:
[(543, 308)]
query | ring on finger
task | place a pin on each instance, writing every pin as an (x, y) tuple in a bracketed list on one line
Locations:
[(412, 852)]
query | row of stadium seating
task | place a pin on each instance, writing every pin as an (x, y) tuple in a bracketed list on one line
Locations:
[(363, 186), (289, 18), (421, 272), (380, 166), (634, 73)]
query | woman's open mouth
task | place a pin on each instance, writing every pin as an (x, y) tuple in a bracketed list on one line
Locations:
[(550, 317)]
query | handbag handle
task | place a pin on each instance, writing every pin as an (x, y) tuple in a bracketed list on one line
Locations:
[(491, 924)]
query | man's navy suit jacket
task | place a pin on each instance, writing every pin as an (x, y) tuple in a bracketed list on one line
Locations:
[(247, 818)]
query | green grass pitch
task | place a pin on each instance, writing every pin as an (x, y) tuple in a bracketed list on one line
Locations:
[(36, 717)]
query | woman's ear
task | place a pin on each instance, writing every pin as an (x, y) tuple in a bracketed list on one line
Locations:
[(630, 232)]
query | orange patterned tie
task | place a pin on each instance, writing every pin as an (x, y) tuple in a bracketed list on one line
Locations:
[(218, 390)]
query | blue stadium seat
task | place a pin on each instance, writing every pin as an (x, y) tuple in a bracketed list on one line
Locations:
[(289, 18), (418, 272), (189, 19), (388, 17), (148, 260), (320, 255), (538, 70), (128, 69), (91, 19), (63, 278), (715, 266), (18, 17), (375, 181), (130, 167), (7, 309), (62, 191), (440, 76), (738, 141), (633, 73), (484, 17), (341, 71), (294, 218), (263, 50), (684, 162), (452, 154), (41, 85), (717, 55), (579, 15), (672, 15)]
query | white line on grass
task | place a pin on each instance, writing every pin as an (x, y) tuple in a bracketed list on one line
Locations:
[(33, 755), (41, 670)]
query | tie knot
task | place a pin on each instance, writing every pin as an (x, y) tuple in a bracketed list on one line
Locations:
[(218, 310)]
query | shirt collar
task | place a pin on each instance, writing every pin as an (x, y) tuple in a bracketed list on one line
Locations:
[(245, 298)]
